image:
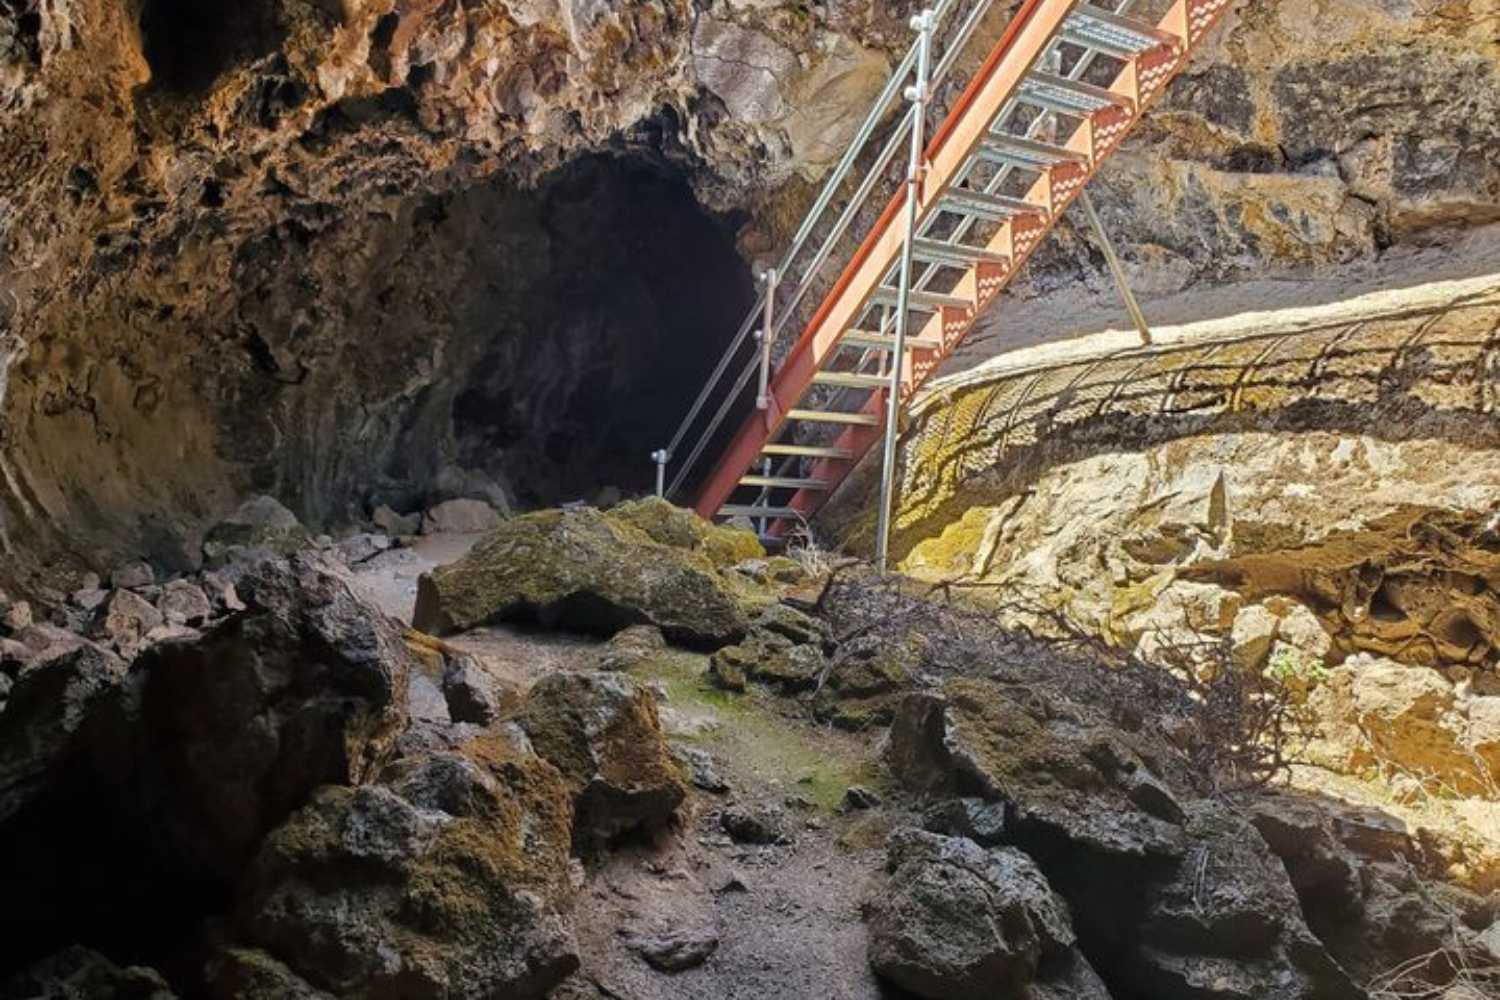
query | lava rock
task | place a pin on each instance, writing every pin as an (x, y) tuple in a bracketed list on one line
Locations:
[(184, 603), (49, 706), (631, 647), (131, 575), (251, 974), (858, 798), (980, 821), (755, 824), (89, 599), (866, 679), (396, 525), (677, 528), (585, 570), (960, 922), (16, 617), (602, 732), (448, 878), (307, 687), (460, 517), (128, 620), (471, 693), (675, 950), (702, 770), (727, 667), (78, 973), (260, 523), (361, 548)]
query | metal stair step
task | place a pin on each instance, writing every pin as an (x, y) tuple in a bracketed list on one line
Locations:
[(808, 451), (784, 482), (834, 417), (884, 341), (983, 205), (918, 300), (954, 254), (1028, 154), (852, 380), (756, 511), (1069, 97), (1113, 34)]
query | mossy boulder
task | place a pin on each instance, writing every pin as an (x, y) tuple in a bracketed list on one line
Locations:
[(680, 528), (594, 572), (447, 878), (602, 732), (867, 679)]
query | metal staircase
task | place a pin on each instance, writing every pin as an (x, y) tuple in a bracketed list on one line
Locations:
[(1058, 91)]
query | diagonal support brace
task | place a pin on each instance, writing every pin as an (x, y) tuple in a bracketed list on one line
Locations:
[(1115, 268)]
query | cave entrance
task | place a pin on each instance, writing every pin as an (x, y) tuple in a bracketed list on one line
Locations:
[(189, 43), (612, 294)]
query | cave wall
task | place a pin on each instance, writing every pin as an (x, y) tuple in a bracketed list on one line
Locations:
[(258, 246)]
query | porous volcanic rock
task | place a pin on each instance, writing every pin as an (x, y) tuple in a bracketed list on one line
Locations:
[(602, 732), (446, 878), (586, 570)]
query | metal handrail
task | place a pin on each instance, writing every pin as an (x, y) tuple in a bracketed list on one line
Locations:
[(878, 111)]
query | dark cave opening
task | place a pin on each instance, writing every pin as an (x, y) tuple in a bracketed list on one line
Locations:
[(189, 43), (598, 333)]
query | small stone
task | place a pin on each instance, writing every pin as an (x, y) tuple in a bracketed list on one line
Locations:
[(128, 619), (857, 797), (135, 574), (763, 824), (674, 951), (221, 593), (632, 646), (1300, 628), (726, 669), (460, 517), (1250, 637), (89, 599), (361, 548), (17, 617), (184, 603), (703, 772), (472, 694)]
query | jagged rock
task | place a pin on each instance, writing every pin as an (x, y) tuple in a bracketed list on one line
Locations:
[(586, 570), (858, 797), (701, 769), (361, 548), (89, 599), (45, 642), (396, 525), (676, 949), (305, 688), (756, 824), (1059, 776), (260, 523), (128, 619), (797, 627), (956, 921), (728, 666), (601, 731), (1251, 637), (79, 973), (1232, 923), (682, 529), (251, 974), (132, 575), (16, 617), (1324, 873), (977, 820), (631, 647), (184, 603), (446, 879), (221, 593), (866, 679), (460, 517), (472, 694), (49, 706), (775, 569)]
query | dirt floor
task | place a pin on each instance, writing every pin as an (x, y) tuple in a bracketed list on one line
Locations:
[(786, 916)]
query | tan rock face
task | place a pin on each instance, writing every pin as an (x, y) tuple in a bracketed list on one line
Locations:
[(281, 246)]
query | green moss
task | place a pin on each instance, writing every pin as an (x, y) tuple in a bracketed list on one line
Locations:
[(755, 734)]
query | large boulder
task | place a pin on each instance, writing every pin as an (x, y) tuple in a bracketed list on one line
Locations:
[(78, 973), (602, 732), (1061, 775), (48, 708), (448, 878), (260, 523), (680, 528), (956, 921), (585, 570), (306, 687)]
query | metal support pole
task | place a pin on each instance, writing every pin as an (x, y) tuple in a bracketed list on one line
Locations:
[(1115, 268), (762, 400), (661, 458), (918, 96)]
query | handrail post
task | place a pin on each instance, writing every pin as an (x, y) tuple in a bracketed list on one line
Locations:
[(917, 94), (661, 457), (768, 317)]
